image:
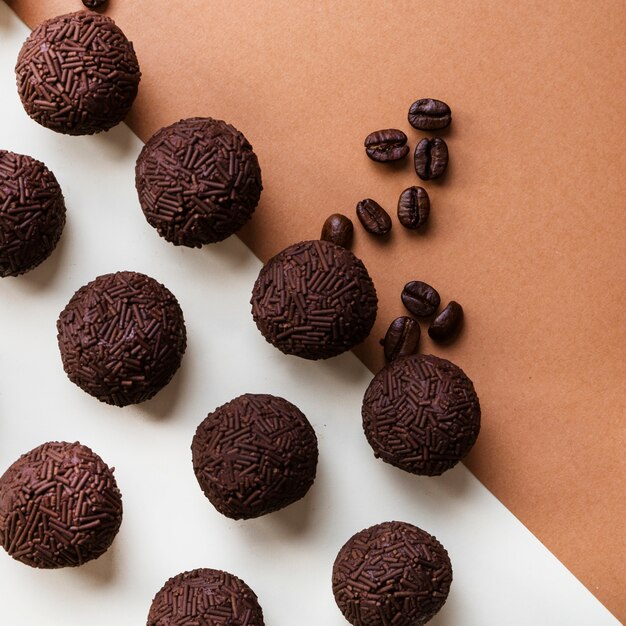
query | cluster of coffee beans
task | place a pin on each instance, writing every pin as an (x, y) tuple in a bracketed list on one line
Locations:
[(422, 300), (430, 160)]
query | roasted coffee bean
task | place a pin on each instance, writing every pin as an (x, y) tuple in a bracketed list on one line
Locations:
[(429, 114), (419, 298), (386, 145), (447, 322), (338, 230), (374, 218), (431, 158), (402, 338), (94, 4), (413, 207)]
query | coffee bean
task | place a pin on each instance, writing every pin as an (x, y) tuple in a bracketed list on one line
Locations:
[(374, 218), (413, 207), (386, 145), (445, 325), (94, 4), (431, 158), (419, 298), (402, 338), (429, 114), (338, 230)]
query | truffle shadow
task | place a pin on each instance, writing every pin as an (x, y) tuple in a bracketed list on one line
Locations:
[(233, 252), (454, 482), (101, 571), (345, 369), (46, 274), (450, 612), (118, 142), (295, 519), (164, 403)]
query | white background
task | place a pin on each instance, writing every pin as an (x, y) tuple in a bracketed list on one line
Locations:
[(502, 575)]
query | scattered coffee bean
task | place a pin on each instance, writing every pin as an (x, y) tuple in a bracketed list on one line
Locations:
[(94, 4), (338, 230), (431, 158), (429, 114), (402, 338), (447, 322), (413, 207), (419, 298), (374, 218), (386, 145)]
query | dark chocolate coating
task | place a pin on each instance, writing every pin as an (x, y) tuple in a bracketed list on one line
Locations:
[(205, 597), (254, 455), (122, 337), (77, 74), (314, 300), (59, 506), (198, 181), (421, 414), (32, 213), (391, 573)]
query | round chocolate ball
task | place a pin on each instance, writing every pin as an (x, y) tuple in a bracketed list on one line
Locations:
[(391, 573), (59, 506), (421, 414), (205, 597), (77, 74), (254, 455), (198, 181), (122, 337), (314, 300), (32, 213)]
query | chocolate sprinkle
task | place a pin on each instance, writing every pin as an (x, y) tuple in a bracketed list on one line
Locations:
[(254, 455), (205, 597), (32, 213), (391, 574), (59, 506), (314, 300), (122, 337), (77, 74), (198, 181), (421, 414)]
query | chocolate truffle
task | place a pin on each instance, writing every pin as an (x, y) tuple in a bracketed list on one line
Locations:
[(205, 597), (254, 455), (421, 414), (59, 506), (391, 573), (77, 74), (198, 181), (32, 213), (314, 300), (122, 337)]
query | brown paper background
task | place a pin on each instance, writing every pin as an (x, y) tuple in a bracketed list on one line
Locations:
[(526, 231)]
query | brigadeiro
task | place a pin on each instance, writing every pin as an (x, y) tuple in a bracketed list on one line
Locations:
[(32, 213), (205, 597), (421, 414), (122, 337), (315, 300), (391, 573), (254, 455), (77, 74), (59, 506), (198, 181)]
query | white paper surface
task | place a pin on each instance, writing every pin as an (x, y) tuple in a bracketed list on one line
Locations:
[(502, 574)]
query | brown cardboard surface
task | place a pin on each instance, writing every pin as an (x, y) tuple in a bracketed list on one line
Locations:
[(527, 229)]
